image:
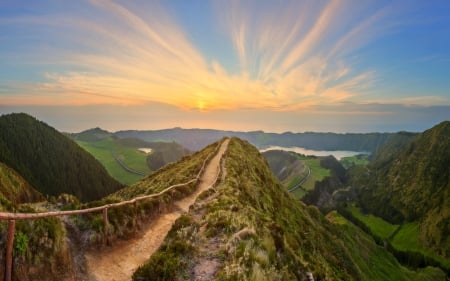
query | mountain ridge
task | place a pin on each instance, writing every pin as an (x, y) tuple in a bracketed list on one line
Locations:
[(413, 184), (249, 228)]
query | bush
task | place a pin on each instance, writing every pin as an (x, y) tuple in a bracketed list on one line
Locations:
[(20, 244)]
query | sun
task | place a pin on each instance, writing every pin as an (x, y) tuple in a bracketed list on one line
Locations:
[(201, 105)]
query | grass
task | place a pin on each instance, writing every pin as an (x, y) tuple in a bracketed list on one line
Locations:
[(378, 226), (406, 239), (349, 161), (257, 231), (132, 157), (374, 261), (299, 193), (318, 173)]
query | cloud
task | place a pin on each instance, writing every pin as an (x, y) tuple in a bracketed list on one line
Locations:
[(292, 56)]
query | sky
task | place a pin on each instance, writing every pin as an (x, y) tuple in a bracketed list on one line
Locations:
[(324, 66)]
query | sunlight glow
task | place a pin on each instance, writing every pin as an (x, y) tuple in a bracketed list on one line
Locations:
[(289, 56)]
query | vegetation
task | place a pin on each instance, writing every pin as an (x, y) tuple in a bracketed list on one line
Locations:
[(360, 159), (402, 240), (249, 228), (377, 226), (121, 157), (286, 166), (14, 189), (104, 151), (51, 162), (296, 170), (39, 248), (127, 219), (408, 181), (318, 173)]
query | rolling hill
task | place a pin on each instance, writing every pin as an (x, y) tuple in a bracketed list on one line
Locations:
[(123, 158), (50, 161)]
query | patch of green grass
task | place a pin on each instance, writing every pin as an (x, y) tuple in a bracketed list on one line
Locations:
[(293, 182), (318, 173), (132, 157), (299, 193), (377, 225), (374, 261), (349, 161), (407, 239)]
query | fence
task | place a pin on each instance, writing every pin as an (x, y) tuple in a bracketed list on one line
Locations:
[(12, 217)]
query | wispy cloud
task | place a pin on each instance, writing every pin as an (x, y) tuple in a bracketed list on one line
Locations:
[(292, 55)]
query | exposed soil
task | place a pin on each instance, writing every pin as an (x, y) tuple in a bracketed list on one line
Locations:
[(118, 262)]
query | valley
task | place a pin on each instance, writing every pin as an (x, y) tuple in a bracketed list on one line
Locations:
[(278, 215)]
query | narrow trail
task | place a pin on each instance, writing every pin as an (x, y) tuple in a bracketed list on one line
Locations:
[(117, 263)]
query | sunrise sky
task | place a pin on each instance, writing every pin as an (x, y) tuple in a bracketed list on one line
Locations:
[(340, 66)]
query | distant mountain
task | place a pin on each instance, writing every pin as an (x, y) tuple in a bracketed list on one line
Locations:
[(14, 189), (195, 139), (50, 161), (90, 135), (409, 180), (249, 228)]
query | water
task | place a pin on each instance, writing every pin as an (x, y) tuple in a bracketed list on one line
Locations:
[(338, 154)]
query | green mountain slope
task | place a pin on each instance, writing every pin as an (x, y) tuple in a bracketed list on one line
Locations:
[(50, 161), (14, 189), (123, 158), (411, 182), (250, 228)]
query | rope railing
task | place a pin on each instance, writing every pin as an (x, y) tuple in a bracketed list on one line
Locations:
[(12, 217)]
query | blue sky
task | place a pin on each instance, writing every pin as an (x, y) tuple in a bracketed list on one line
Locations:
[(341, 65)]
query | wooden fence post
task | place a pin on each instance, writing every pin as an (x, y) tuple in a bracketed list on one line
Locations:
[(9, 249), (106, 225)]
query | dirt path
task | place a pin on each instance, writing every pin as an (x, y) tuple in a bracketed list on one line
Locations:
[(118, 263)]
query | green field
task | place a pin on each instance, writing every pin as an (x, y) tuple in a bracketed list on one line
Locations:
[(406, 239), (132, 157), (318, 173), (378, 226), (361, 159), (377, 263)]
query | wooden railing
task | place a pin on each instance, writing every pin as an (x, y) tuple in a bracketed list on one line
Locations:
[(12, 217)]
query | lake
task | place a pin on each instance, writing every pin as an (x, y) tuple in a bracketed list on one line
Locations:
[(338, 154)]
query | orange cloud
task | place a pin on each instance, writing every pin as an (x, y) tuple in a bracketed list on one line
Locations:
[(132, 58)]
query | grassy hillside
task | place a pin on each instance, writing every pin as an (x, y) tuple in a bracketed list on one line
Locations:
[(293, 169), (126, 220), (409, 180), (360, 159), (50, 161), (286, 167), (104, 151), (401, 239), (14, 189), (249, 228), (122, 158)]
